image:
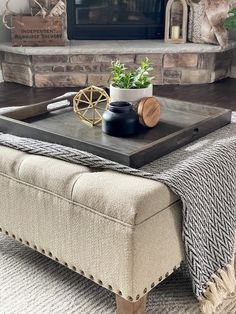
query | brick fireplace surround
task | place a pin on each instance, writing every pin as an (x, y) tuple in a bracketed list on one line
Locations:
[(82, 63)]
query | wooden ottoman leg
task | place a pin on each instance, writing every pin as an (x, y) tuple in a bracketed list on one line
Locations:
[(126, 307)]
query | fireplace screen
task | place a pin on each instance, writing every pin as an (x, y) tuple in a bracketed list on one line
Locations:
[(115, 19)]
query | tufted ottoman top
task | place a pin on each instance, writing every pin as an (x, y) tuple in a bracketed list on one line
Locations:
[(123, 197)]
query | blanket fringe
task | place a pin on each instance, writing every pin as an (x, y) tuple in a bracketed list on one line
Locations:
[(221, 286)]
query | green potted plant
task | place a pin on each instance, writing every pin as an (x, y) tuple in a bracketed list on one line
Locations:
[(230, 22), (130, 84)]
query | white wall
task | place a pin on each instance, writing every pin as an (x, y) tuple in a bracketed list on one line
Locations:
[(18, 6)]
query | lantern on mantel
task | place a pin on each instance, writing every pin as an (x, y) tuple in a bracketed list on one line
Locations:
[(176, 22)]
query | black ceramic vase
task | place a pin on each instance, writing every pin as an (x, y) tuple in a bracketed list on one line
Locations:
[(120, 119)]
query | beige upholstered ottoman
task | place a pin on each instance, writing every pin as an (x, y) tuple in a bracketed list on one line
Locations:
[(121, 231)]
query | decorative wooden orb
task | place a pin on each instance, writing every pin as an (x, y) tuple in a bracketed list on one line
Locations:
[(176, 21), (90, 103)]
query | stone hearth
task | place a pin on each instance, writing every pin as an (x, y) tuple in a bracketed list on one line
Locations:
[(81, 63)]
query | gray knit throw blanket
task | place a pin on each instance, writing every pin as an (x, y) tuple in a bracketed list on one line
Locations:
[(203, 174)]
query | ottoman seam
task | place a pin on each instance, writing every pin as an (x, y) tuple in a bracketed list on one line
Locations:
[(73, 186), (148, 218)]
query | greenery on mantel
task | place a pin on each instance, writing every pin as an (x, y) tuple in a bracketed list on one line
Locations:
[(230, 22), (123, 77)]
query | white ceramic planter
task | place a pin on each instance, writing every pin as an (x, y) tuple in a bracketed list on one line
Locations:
[(130, 95)]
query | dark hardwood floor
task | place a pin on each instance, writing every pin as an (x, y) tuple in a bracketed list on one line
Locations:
[(12, 94), (220, 94)]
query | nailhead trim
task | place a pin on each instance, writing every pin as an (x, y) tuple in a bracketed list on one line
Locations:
[(83, 273)]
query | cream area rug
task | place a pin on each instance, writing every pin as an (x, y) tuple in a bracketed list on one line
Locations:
[(31, 283)]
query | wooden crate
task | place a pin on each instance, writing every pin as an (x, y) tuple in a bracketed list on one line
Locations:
[(37, 31)]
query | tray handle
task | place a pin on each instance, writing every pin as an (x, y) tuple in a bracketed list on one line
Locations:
[(30, 111)]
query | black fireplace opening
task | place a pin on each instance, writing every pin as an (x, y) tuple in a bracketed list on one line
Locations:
[(115, 19)]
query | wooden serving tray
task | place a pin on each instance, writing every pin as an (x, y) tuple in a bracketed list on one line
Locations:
[(181, 122)]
